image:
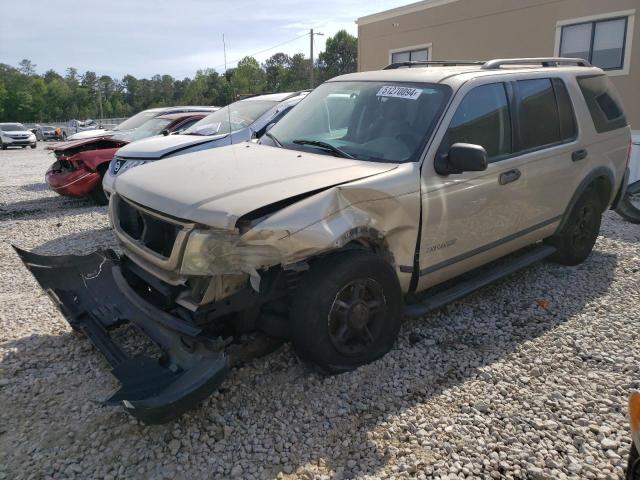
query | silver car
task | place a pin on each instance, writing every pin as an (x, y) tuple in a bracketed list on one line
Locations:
[(16, 135)]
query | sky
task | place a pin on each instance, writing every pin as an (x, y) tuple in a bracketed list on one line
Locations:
[(179, 37)]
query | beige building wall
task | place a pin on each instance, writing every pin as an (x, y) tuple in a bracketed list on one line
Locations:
[(485, 29)]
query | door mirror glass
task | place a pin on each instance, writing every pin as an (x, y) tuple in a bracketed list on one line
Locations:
[(463, 157)]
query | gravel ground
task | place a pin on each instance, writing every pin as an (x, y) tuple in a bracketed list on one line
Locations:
[(525, 379)]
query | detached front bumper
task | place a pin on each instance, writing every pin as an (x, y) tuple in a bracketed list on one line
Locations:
[(76, 183), (93, 295)]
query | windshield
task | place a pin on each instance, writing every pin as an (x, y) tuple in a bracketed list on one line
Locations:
[(242, 115), (379, 121), (11, 127), (137, 120), (47, 129), (150, 128)]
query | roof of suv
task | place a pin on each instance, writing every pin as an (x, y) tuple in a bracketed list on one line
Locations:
[(440, 73)]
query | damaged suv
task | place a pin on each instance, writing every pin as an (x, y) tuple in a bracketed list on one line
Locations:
[(368, 201)]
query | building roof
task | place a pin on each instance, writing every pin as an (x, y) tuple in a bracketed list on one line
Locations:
[(404, 10)]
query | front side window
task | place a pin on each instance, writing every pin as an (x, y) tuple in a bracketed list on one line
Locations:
[(482, 118), (602, 43), (375, 121)]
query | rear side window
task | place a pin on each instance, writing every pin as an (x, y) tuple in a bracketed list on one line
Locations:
[(537, 114), (483, 118), (603, 103), (568, 128)]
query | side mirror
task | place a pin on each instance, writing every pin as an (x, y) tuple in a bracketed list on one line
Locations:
[(165, 132), (462, 157)]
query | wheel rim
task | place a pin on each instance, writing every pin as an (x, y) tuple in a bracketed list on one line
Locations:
[(583, 230), (356, 316)]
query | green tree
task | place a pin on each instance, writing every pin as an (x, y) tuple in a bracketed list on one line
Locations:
[(276, 68), (248, 77), (340, 55)]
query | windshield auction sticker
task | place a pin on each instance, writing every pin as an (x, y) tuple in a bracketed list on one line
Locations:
[(399, 92)]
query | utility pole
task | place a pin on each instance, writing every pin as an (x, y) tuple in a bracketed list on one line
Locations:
[(311, 34)]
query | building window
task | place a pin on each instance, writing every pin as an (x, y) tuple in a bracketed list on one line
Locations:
[(600, 42), (410, 54)]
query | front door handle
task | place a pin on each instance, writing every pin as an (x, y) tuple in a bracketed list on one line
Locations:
[(579, 155), (510, 176)]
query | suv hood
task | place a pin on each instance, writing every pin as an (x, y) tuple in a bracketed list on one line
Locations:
[(154, 148), (216, 187)]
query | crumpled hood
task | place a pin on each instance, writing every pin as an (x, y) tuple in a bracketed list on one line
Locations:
[(157, 147), (216, 187), (73, 144)]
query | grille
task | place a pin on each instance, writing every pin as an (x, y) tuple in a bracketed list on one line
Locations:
[(148, 230)]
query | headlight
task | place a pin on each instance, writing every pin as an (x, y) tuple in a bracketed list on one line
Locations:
[(211, 252)]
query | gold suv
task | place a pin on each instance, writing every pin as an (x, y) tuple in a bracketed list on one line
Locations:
[(373, 190)]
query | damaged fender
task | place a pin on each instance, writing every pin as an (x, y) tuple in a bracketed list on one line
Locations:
[(378, 210)]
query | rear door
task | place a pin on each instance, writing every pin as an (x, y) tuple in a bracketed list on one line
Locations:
[(547, 144)]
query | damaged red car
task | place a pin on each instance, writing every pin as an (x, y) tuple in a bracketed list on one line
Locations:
[(80, 165)]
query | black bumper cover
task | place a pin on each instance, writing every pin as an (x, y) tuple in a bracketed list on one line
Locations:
[(94, 297)]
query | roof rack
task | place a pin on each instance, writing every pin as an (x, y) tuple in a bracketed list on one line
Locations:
[(544, 61), (439, 63)]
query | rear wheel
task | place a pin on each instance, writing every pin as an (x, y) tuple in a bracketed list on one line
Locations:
[(575, 241), (347, 311), (97, 194)]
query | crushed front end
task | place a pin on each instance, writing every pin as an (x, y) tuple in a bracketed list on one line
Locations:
[(192, 319)]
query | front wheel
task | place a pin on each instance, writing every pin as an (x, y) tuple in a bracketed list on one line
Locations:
[(347, 311), (575, 241), (33, 146)]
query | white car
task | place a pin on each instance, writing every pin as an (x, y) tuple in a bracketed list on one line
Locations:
[(16, 135)]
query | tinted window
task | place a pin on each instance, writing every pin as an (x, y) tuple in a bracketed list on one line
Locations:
[(568, 130), (603, 103), (537, 114), (483, 119)]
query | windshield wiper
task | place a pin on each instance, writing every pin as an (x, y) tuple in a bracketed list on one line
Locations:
[(275, 140), (325, 146)]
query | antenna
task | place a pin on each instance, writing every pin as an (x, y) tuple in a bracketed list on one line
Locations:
[(224, 50)]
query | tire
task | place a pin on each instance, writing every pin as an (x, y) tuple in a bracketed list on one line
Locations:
[(34, 145), (24, 146), (4, 147), (97, 194), (627, 210), (575, 241), (331, 323), (633, 466)]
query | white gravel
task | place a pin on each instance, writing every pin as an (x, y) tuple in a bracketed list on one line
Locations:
[(495, 386)]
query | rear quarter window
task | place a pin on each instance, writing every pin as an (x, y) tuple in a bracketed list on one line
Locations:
[(603, 103)]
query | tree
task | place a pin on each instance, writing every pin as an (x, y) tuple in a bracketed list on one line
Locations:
[(248, 77), (297, 75), (340, 55), (276, 68), (26, 67)]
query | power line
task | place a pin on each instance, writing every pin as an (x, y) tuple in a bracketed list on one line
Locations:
[(262, 51)]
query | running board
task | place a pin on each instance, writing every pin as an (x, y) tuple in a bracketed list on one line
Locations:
[(465, 287)]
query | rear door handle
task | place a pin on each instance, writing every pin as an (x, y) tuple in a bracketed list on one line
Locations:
[(579, 155), (510, 176)]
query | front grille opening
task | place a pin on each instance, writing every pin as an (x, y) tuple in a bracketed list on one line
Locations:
[(154, 233)]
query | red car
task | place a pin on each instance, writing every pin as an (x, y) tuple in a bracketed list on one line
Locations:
[(81, 164)]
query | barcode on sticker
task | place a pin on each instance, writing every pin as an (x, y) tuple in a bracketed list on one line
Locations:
[(399, 92)]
